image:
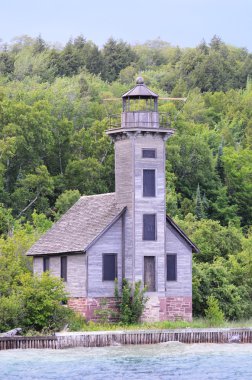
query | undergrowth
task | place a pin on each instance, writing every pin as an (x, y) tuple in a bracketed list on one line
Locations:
[(82, 325)]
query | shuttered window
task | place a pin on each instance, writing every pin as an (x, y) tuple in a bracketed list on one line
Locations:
[(172, 267), (149, 183), (63, 267), (149, 153), (45, 264), (149, 227), (109, 266)]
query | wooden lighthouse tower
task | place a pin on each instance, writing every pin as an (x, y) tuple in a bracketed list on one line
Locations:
[(125, 234)]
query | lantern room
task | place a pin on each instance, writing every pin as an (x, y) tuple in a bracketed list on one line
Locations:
[(140, 107), (140, 98)]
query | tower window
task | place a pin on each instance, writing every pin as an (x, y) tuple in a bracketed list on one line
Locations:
[(63, 267), (109, 267), (171, 267), (149, 153), (45, 264), (149, 183), (149, 227)]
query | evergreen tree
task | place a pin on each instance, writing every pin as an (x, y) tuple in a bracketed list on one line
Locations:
[(116, 56), (249, 83), (219, 163), (199, 207)]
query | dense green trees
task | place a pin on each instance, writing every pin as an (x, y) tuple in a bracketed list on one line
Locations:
[(35, 304), (210, 67), (222, 268), (27, 301), (116, 56), (53, 147)]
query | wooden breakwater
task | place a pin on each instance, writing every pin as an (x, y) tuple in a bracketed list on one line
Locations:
[(24, 342), (114, 338)]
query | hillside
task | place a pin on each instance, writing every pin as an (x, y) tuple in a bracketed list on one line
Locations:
[(53, 116)]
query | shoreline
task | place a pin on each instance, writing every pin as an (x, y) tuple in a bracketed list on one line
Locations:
[(64, 340)]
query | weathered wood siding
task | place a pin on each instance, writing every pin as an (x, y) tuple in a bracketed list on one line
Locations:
[(124, 186), (129, 166), (76, 275), (76, 272), (37, 265), (175, 244), (150, 205), (109, 242)]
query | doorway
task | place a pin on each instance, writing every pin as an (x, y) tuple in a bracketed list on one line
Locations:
[(149, 273)]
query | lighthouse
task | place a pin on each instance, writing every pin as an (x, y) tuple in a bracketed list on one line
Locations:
[(127, 233)]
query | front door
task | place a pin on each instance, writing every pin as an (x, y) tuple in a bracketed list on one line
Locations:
[(149, 273)]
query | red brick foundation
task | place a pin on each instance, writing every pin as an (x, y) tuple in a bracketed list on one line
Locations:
[(176, 308), (88, 307), (158, 309), (167, 308)]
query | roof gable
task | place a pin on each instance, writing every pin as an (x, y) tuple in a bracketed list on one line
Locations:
[(169, 220), (80, 226)]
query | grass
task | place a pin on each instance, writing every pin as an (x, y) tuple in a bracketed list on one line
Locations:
[(79, 324)]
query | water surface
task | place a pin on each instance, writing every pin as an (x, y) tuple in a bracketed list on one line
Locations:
[(160, 361)]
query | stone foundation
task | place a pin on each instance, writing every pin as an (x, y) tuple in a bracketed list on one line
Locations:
[(167, 309), (177, 308), (95, 309), (157, 308), (152, 309)]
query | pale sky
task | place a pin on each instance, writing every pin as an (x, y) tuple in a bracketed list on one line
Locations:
[(179, 22)]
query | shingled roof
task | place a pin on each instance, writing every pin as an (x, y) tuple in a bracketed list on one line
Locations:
[(140, 90), (80, 226)]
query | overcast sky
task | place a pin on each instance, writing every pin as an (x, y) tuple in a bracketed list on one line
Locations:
[(180, 22)]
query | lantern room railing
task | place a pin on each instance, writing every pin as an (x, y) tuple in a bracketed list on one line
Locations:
[(134, 120)]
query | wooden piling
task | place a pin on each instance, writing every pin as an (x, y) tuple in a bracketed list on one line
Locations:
[(103, 338)]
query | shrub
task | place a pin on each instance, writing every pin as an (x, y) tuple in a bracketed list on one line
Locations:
[(105, 314), (10, 311), (225, 280), (131, 303), (35, 304), (77, 322), (42, 298), (213, 312)]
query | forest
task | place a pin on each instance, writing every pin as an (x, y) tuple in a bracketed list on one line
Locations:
[(53, 149)]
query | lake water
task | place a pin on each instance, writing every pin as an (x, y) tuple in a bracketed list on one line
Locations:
[(161, 361)]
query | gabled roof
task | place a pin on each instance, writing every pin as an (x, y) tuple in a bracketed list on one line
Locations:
[(83, 224), (80, 226), (169, 220)]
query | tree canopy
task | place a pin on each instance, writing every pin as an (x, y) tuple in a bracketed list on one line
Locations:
[(53, 146)]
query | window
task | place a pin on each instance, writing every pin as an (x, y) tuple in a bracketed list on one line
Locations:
[(149, 186), (45, 264), (149, 227), (63, 267), (149, 153), (109, 267), (172, 267)]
